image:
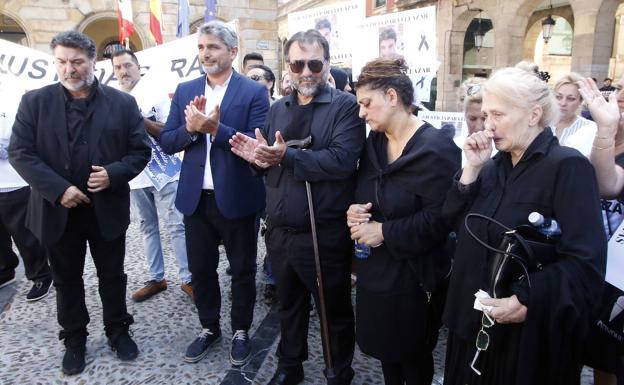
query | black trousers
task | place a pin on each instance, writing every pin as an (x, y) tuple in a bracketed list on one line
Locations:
[(204, 230), (292, 260), (414, 372), (12, 225), (67, 259)]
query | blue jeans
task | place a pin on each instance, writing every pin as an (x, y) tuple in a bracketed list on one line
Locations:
[(147, 203)]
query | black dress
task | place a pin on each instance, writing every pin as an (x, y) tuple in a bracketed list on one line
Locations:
[(559, 183), (397, 286)]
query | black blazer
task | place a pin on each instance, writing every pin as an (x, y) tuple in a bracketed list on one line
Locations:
[(39, 151)]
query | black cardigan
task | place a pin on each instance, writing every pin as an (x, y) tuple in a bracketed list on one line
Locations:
[(407, 197)]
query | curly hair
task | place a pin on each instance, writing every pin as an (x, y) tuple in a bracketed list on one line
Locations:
[(383, 74)]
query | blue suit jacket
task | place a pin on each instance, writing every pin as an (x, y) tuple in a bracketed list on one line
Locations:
[(238, 192)]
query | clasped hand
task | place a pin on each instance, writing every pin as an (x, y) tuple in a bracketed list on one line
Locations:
[(257, 151), (197, 121), (363, 230)]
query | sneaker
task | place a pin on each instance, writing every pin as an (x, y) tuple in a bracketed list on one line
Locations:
[(188, 289), (122, 343), (151, 288), (7, 279), (74, 360), (199, 348), (39, 290), (241, 348), (270, 295)]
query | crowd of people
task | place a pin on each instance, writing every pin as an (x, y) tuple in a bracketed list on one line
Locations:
[(425, 210)]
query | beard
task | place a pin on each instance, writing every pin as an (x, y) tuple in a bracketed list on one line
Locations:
[(316, 84), (214, 68), (85, 81)]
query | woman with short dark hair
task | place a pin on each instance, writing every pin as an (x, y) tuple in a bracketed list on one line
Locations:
[(405, 171)]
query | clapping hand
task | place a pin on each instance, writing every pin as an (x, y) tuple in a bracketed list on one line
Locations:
[(245, 147), (198, 121)]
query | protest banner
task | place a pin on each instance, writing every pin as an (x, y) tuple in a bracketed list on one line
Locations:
[(410, 34), (336, 23), (615, 258), (438, 119)]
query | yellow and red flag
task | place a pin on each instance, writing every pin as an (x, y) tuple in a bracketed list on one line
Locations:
[(156, 28), (124, 19)]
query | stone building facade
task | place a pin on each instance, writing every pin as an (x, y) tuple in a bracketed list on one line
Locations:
[(597, 36), (593, 31), (34, 22)]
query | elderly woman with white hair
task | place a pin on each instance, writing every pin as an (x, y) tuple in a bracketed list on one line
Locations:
[(533, 333)]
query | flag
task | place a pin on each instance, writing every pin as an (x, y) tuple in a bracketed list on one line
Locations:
[(156, 21), (211, 10), (183, 18), (124, 19)]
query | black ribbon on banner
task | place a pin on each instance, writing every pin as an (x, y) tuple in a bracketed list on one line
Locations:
[(423, 42), (421, 82)]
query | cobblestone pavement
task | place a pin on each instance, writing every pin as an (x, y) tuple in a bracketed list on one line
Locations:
[(30, 352)]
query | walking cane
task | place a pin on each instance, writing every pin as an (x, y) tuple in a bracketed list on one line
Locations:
[(303, 144)]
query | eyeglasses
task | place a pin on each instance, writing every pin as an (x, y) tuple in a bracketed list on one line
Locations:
[(256, 78), (297, 66), (483, 339)]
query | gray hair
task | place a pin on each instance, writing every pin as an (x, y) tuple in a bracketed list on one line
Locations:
[(522, 89), (220, 30), (74, 39), (311, 37)]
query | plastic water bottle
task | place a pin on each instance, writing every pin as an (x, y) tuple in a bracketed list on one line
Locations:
[(547, 226), (361, 250)]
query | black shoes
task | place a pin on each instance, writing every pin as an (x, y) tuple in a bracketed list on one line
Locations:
[(270, 295), (39, 290), (74, 360), (241, 348), (125, 347), (7, 279), (199, 348), (287, 377)]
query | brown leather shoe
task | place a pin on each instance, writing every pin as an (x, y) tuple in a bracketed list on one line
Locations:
[(151, 288), (188, 289)]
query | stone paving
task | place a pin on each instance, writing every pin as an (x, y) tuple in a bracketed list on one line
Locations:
[(30, 352)]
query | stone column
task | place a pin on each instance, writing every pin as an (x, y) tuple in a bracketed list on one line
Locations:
[(594, 26)]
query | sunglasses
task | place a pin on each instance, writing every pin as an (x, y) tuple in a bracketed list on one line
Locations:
[(473, 90), (256, 78), (483, 339), (297, 66)]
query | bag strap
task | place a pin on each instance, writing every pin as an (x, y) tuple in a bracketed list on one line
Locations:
[(508, 231)]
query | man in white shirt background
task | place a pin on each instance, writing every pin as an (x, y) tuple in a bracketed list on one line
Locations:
[(154, 190)]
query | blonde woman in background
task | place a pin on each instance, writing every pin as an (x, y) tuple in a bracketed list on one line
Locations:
[(572, 129)]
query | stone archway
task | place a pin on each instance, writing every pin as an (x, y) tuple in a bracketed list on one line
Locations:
[(12, 28), (555, 57), (478, 62), (102, 27)]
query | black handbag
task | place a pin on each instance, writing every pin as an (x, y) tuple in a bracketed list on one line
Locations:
[(523, 250)]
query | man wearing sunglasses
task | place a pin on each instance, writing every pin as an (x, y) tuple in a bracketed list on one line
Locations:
[(217, 193), (330, 117)]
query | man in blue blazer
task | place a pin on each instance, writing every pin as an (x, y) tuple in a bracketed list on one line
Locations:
[(217, 192)]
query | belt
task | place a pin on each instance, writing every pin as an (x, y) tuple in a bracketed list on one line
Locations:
[(208, 192)]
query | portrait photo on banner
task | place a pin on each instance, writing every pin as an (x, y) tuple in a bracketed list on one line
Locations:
[(409, 34), (336, 23)]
